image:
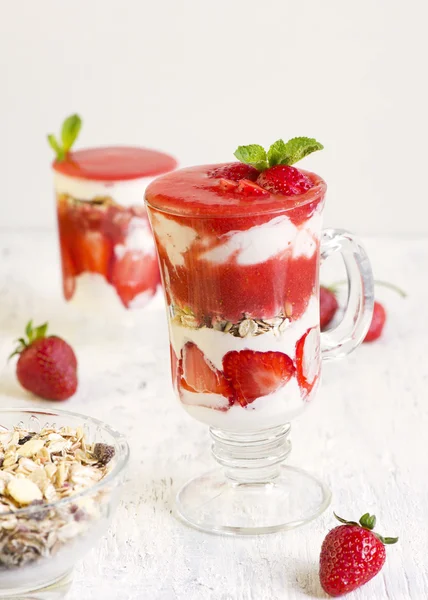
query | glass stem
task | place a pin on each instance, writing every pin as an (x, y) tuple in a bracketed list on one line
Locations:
[(251, 457)]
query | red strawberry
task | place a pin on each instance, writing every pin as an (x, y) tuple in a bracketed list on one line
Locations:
[(135, 272), (47, 366), (377, 324), (328, 306), (198, 374), (92, 252), (254, 374), (249, 188), (308, 360), (351, 555), (283, 179), (235, 172)]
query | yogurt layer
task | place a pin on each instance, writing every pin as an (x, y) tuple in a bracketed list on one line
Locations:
[(93, 293), (267, 411), (126, 193)]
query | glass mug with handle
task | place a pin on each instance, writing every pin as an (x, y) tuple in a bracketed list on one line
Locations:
[(240, 270)]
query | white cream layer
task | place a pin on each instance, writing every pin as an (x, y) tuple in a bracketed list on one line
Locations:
[(268, 411), (252, 246), (94, 294), (139, 237), (125, 193), (215, 344)]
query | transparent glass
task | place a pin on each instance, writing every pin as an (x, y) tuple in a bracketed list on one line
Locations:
[(108, 256), (43, 569), (242, 294)]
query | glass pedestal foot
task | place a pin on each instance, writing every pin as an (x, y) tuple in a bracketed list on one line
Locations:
[(253, 493)]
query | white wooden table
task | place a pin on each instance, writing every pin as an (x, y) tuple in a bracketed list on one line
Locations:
[(366, 435)]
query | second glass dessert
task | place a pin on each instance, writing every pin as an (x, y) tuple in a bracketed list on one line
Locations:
[(107, 250)]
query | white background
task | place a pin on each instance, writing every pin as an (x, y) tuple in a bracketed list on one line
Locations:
[(198, 78)]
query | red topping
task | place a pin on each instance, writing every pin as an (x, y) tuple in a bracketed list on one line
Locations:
[(201, 191), (115, 163), (350, 557), (307, 345), (286, 180), (134, 273), (328, 307), (198, 374), (234, 172), (377, 324), (255, 374)]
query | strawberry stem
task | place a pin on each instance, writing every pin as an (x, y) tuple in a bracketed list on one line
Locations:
[(368, 522), (33, 334), (386, 284)]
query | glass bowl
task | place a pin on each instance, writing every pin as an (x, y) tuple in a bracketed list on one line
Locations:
[(40, 544)]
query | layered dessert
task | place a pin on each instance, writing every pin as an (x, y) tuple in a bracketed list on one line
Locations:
[(238, 248), (107, 249)]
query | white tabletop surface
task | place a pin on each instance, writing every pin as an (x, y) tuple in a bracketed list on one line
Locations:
[(365, 435)]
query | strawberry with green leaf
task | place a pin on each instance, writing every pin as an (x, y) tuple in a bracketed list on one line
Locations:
[(47, 365), (276, 173)]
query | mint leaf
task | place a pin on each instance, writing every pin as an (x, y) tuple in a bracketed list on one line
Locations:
[(297, 148), (56, 147), (253, 155), (276, 153), (70, 131)]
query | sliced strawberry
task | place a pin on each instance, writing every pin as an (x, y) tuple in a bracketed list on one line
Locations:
[(249, 188), (91, 252), (174, 365), (234, 172), (308, 360), (198, 374), (254, 374), (68, 273), (134, 273)]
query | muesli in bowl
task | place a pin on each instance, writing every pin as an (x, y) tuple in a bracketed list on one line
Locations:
[(60, 476)]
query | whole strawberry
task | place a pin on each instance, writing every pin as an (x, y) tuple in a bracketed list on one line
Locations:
[(328, 306), (351, 555), (47, 366), (377, 323)]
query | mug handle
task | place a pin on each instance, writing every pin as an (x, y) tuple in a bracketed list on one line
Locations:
[(343, 339)]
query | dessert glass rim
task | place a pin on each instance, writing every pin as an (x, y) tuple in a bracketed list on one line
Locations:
[(121, 451), (153, 172), (317, 191)]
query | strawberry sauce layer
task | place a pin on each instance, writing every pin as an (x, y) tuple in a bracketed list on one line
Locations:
[(115, 163)]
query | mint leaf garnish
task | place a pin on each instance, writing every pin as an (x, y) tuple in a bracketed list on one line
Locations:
[(69, 132), (56, 147), (253, 155), (297, 148), (280, 153), (277, 152)]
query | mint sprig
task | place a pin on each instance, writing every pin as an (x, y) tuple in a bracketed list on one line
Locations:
[(69, 132), (253, 155), (280, 152)]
